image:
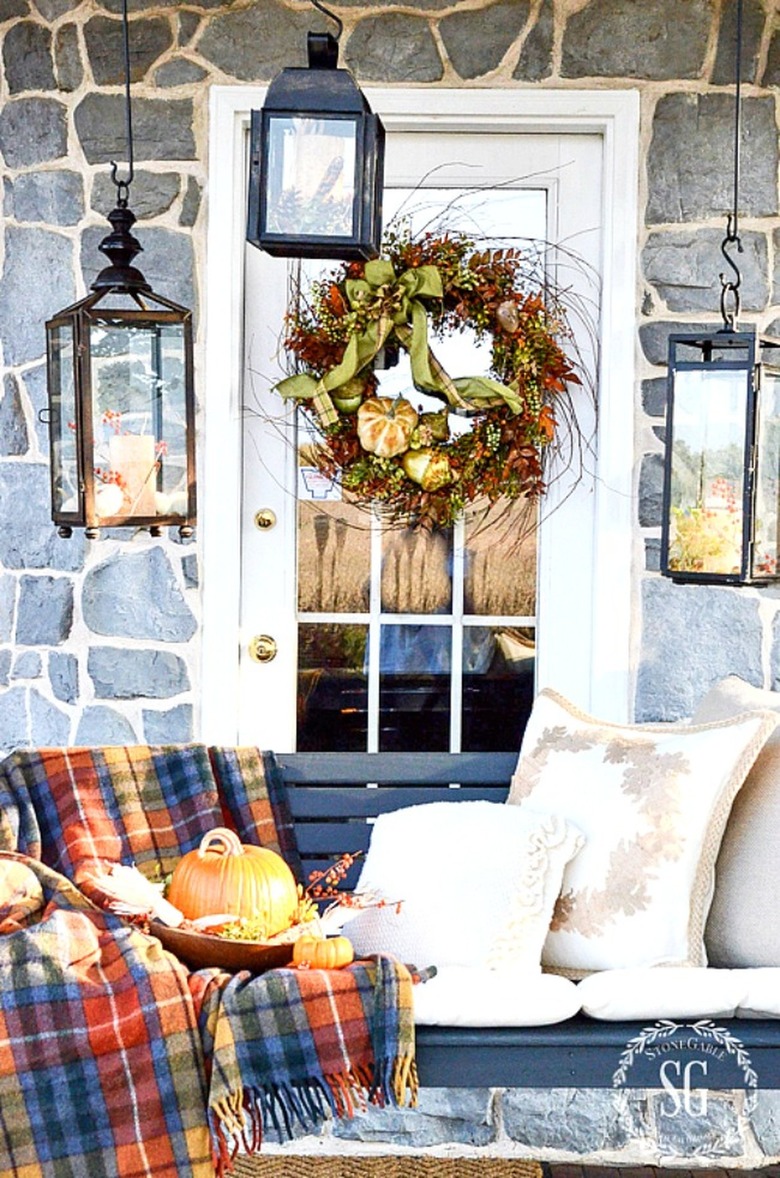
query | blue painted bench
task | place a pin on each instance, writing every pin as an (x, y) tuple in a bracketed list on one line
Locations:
[(332, 809)]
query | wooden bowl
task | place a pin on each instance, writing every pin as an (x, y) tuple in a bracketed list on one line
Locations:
[(201, 950)]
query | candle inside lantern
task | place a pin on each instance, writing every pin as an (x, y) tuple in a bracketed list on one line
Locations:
[(133, 459)]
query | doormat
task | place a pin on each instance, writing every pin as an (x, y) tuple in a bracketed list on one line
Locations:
[(384, 1166)]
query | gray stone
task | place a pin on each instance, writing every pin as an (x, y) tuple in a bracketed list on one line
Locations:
[(753, 17), (136, 595), (162, 128), (54, 197), (442, 1115), (5, 672), (171, 727), (652, 555), (13, 427), (776, 272), (189, 23), (27, 58), (14, 720), (634, 39), (33, 131), (394, 48), (27, 665), (45, 612), (765, 1120), (579, 1120), (67, 58), (180, 71), (26, 304), (654, 396), (535, 60), (681, 1134), (654, 337), (49, 725), (152, 193), (775, 653), (7, 606), (688, 163), (52, 10), (476, 41), (64, 676), (34, 381), (167, 261), (651, 487), (772, 72), (693, 635), (28, 539), (101, 725), (190, 205), (252, 43), (189, 568), (11, 8), (149, 38), (684, 267), (118, 673)]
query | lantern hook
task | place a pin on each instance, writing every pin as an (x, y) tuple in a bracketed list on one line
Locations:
[(729, 295), (123, 186), (336, 19)]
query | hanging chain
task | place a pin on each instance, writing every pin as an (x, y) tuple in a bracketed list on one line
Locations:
[(729, 295), (332, 15), (123, 186)]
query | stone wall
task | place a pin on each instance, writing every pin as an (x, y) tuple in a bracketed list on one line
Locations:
[(99, 640)]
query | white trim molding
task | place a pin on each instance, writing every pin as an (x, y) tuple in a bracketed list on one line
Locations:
[(614, 115)]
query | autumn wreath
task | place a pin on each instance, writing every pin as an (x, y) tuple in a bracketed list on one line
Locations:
[(392, 454)]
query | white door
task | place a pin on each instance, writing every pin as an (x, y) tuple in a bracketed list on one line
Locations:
[(391, 639)]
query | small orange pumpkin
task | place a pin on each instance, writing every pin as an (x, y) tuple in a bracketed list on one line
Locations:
[(323, 952), (385, 425), (224, 876)]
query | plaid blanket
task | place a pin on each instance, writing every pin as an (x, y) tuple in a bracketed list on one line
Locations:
[(101, 1066), (288, 1045), (298, 1045)]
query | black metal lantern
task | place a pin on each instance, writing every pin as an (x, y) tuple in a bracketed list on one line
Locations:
[(721, 494), (721, 502), (317, 162), (121, 400)]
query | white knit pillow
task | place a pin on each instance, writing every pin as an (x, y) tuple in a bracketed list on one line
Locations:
[(477, 884), (652, 802)]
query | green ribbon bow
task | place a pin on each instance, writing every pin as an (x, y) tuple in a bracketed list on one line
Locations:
[(400, 309)]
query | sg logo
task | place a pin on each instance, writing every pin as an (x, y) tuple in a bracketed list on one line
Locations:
[(683, 1096)]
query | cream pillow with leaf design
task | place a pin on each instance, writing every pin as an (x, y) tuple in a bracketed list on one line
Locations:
[(652, 802)]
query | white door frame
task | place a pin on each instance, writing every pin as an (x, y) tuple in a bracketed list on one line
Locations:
[(612, 114)]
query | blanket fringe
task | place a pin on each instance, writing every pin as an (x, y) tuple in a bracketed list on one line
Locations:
[(241, 1117)]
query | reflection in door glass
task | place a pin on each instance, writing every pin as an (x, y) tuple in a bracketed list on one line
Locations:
[(416, 571), (498, 686), (332, 687), (414, 693), (334, 558)]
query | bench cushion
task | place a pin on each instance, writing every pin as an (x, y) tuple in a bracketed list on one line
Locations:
[(652, 801), (672, 993), (463, 996)]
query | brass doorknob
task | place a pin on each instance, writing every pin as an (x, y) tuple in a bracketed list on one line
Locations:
[(262, 648)]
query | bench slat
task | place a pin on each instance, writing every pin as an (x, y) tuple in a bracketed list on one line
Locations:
[(397, 768), (340, 803)]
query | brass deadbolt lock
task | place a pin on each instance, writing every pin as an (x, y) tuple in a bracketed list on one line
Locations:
[(265, 519), (262, 648)]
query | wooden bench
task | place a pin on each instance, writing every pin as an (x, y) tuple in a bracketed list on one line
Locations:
[(334, 797)]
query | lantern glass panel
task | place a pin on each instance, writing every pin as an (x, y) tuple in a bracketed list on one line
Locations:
[(311, 176), (708, 470), (766, 520), (138, 419), (63, 420)]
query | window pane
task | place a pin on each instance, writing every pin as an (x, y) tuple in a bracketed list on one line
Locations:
[(416, 571), (500, 566), (498, 686), (414, 688), (332, 688), (334, 558)]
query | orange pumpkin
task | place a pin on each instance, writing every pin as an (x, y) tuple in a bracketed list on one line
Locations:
[(224, 876), (323, 952), (385, 425)]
